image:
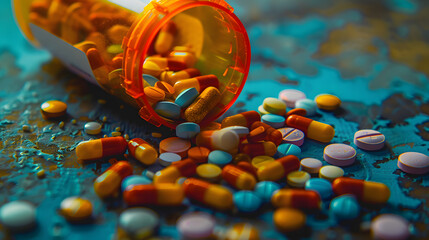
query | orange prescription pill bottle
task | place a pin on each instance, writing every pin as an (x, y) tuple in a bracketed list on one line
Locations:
[(125, 46)]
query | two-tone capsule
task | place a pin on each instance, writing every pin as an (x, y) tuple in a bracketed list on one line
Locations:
[(258, 149), (238, 178), (163, 194), (313, 129), (163, 63), (212, 195), (279, 168), (245, 119), (172, 77), (184, 168), (99, 148), (365, 191), (199, 83), (272, 134), (142, 151), (109, 183), (296, 198)]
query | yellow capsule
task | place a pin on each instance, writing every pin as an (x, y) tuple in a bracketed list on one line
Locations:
[(142, 151), (108, 183), (170, 174), (212, 195), (53, 108), (313, 129), (76, 209), (165, 38), (278, 169)]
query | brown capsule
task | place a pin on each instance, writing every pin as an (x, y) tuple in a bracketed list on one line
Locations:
[(204, 103)]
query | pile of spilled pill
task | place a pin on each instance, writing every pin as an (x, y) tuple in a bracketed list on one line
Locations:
[(247, 163)]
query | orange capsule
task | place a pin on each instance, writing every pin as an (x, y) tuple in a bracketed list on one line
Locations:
[(248, 167), (273, 135), (99, 148), (297, 111), (365, 191), (166, 63), (245, 119), (296, 198), (117, 61), (313, 129), (99, 68), (212, 195), (256, 135), (167, 88), (164, 194), (199, 83), (187, 57), (165, 38), (184, 168), (109, 183), (238, 178), (142, 151), (258, 149), (279, 168), (172, 77)]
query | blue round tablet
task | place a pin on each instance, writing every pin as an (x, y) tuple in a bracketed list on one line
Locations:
[(187, 130), (321, 186), (266, 189), (185, 98), (345, 207), (275, 121), (168, 109), (289, 149), (150, 79), (309, 105), (134, 180), (219, 158), (247, 201)]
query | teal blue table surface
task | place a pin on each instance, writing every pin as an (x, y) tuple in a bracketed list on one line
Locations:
[(373, 55)]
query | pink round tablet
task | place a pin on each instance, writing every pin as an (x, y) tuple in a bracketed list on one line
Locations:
[(390, 226), (339, 154), (368, 139), (311, 165), (413, 163), (196, 225), (290, 96), (292, 135)]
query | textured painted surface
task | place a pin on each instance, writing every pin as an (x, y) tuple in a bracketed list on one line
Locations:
[(373, 55)]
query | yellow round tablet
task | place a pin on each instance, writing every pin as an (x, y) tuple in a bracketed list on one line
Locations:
[(53, 108), (288, 219), (327, 102), (298, 179), (209, 171), (76, 208), (262, 160), (242, 231), (274, 106), (331, 172)]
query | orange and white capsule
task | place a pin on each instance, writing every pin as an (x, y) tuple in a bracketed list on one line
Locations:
[(109, 183), (99, 148), (200, 83), (212, 195), (184, 168), (365, 191), (278, 169), (218, 140), (165, 63), (172, 77), (245, 119), (142, 151), (258, 149), (238, 178), (165, 194), (296, 198), (165, 38)]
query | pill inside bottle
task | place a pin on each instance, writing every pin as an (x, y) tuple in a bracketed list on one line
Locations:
[(126, 47)]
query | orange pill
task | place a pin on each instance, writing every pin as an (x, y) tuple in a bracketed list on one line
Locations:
[(258, 149), (165, 194), (117, 61), (296, 198), (280, 168), (199, 154), (248, 167), (256, 135), (297, 111), (170, 174), (109, 183), (212, 195), (99, 148), (175, 145), (167, 88), (53, 109), (76, 209), (245, 119), (172, 77), (154, 94), (238, 178), (99, 68), (273, 135)]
